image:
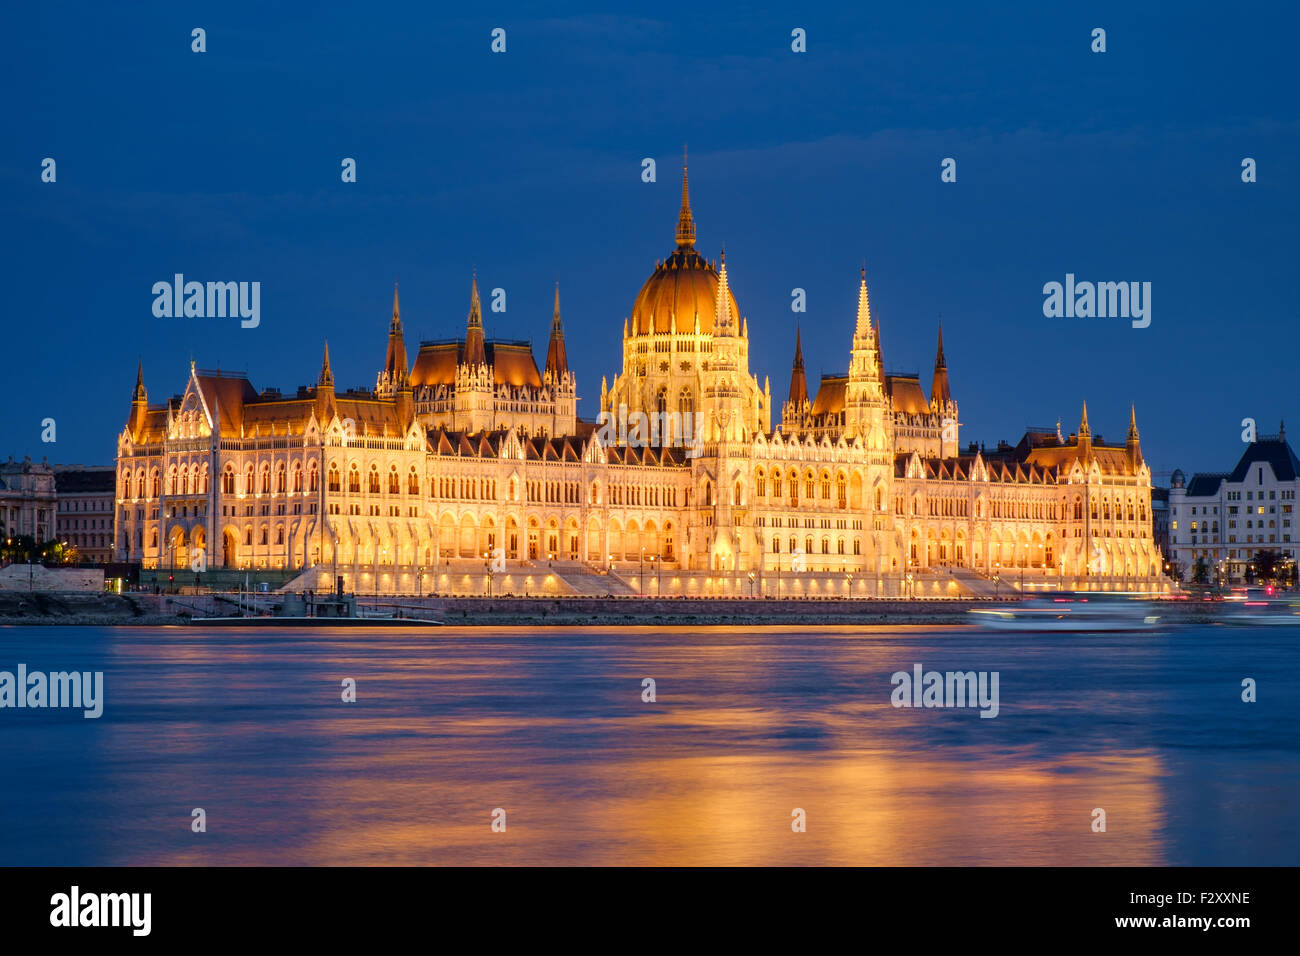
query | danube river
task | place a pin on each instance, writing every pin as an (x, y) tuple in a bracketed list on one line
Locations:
[(748, 725)]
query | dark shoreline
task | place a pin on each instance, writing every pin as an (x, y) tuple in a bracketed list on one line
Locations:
[(148, 610)]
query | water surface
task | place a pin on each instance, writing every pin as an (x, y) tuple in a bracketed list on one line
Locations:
[(749, 724)]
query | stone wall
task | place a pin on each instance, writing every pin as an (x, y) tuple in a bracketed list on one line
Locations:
[(37, 577)]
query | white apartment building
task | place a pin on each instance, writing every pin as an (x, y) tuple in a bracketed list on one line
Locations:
[(1228, 519)]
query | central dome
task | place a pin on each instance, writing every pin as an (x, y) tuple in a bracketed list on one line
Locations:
[(683, 287)]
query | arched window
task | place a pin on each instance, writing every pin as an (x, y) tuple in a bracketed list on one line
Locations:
[(842, 490), (279, 480), (373, 483), (413, 483), (394, 484), (297, 478), (354, 480), (760, 486), (334, 483), (311, 478), (228, 481)]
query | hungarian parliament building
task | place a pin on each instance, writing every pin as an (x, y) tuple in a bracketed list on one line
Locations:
[(469, 471)]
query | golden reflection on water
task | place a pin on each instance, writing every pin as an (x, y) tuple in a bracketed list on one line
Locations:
[(552, 729)]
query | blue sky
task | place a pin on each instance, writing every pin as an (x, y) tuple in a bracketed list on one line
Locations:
[(1122, 166)]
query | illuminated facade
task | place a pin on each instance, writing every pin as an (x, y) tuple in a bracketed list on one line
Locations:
[(472, 468)]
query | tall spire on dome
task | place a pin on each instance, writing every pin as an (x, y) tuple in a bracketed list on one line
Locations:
[(798, 380), (685, 221), (475, 352), (557, 359)]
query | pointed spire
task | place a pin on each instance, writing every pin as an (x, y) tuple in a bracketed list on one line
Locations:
[(397, 373), (139, 403), (1085, 435), (685, 221), (798, 380), (139, 395), (724, 322), (864, 309), (326, 378), (557, 359), (475, 351), (475, 306), (325, 390), (1132, 445), (940, 394)]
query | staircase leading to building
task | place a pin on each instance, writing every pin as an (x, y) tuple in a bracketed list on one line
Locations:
[(588, 583), (980, 586)]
